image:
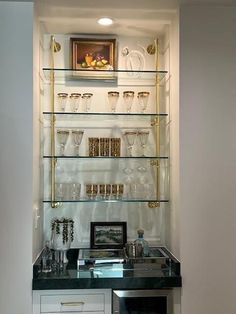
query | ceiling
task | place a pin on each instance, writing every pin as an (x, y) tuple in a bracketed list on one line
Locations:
[(131, 17)]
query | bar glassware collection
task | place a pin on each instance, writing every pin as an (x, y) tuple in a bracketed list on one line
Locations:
[(74, 100)]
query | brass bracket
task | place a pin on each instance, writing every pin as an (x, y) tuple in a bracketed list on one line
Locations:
[(154, 163), (155, 122), (55, 204), (151, 49), (56, 45), (153, 204)]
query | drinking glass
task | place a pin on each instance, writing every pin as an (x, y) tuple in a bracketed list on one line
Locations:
[(77, 136), (60, 191), (62, 136), (113, 99), (137, 190), (75, 189), (62, 100), (130, 137), (143, 100), (87, 99), (91, 190), (117, 190), (128, 99), (143, 138), (74, 101)]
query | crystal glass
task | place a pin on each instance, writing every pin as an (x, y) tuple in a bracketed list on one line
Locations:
[(117, 190), (77, 136), (143, 100), (128, 99), (130, 137), (74, 101), (62, 136), (91, 190), (104, 191), (87, 99), (74, 189), (60, 191), (137, 190), (62, 100), (113, 99), (143, 138)]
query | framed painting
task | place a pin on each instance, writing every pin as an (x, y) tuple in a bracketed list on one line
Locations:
[(108, 235), (93, 57)]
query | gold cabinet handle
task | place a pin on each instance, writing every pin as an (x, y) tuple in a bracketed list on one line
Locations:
[(79, 303)]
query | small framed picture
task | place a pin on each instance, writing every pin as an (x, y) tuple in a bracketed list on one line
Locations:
[(108, 235), (98, 55)]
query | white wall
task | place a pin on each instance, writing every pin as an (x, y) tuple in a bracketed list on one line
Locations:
[(208, 159), (37, 197), (16, 137), (174, 136)]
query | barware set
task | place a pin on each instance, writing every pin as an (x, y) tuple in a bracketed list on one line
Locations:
[(74, 99), (128, 98), (104, 191), (63, 135), (130, 137), (104, 146), (68, 191)]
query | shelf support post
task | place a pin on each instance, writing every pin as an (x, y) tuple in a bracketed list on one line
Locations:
[(54, 47)]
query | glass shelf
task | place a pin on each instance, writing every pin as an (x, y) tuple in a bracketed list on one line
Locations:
[(102, 75), (106, 157), (86, 200), (107, 114), (156, 119)]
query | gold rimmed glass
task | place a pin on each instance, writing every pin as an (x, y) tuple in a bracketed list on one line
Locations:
[(143, 138), (62, 136), (62, 100), (87, 99), (74, 101), (130, 137), (128, 99), (113, 99), (143, 98), (77, 136)]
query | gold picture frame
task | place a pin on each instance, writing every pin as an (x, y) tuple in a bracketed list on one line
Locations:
[(92, 57)]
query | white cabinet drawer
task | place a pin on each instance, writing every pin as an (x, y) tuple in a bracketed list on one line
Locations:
[(96, 312), (72, 303)]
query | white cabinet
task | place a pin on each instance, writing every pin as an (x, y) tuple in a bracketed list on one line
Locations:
[(72, 301)]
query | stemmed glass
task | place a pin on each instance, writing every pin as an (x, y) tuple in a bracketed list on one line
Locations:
[(74, 101), (143, 138), (62, 100), (62, 136), (87, 98), (113, 99), (77, 136), (143, 100), (128, 99), (130, 137)]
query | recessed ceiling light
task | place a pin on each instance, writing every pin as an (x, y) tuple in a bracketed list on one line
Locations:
[(105, 21)]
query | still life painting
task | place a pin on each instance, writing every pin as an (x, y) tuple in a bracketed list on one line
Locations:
[(93, 54)]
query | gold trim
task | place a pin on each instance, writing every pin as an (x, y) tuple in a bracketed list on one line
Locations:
[(154, 163), (55, 47), (157, 123), (153, 204)]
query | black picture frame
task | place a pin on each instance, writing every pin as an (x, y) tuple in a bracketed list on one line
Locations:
[(108, 235)]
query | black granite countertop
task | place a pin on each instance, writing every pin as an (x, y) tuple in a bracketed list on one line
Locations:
[(113, 276)]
